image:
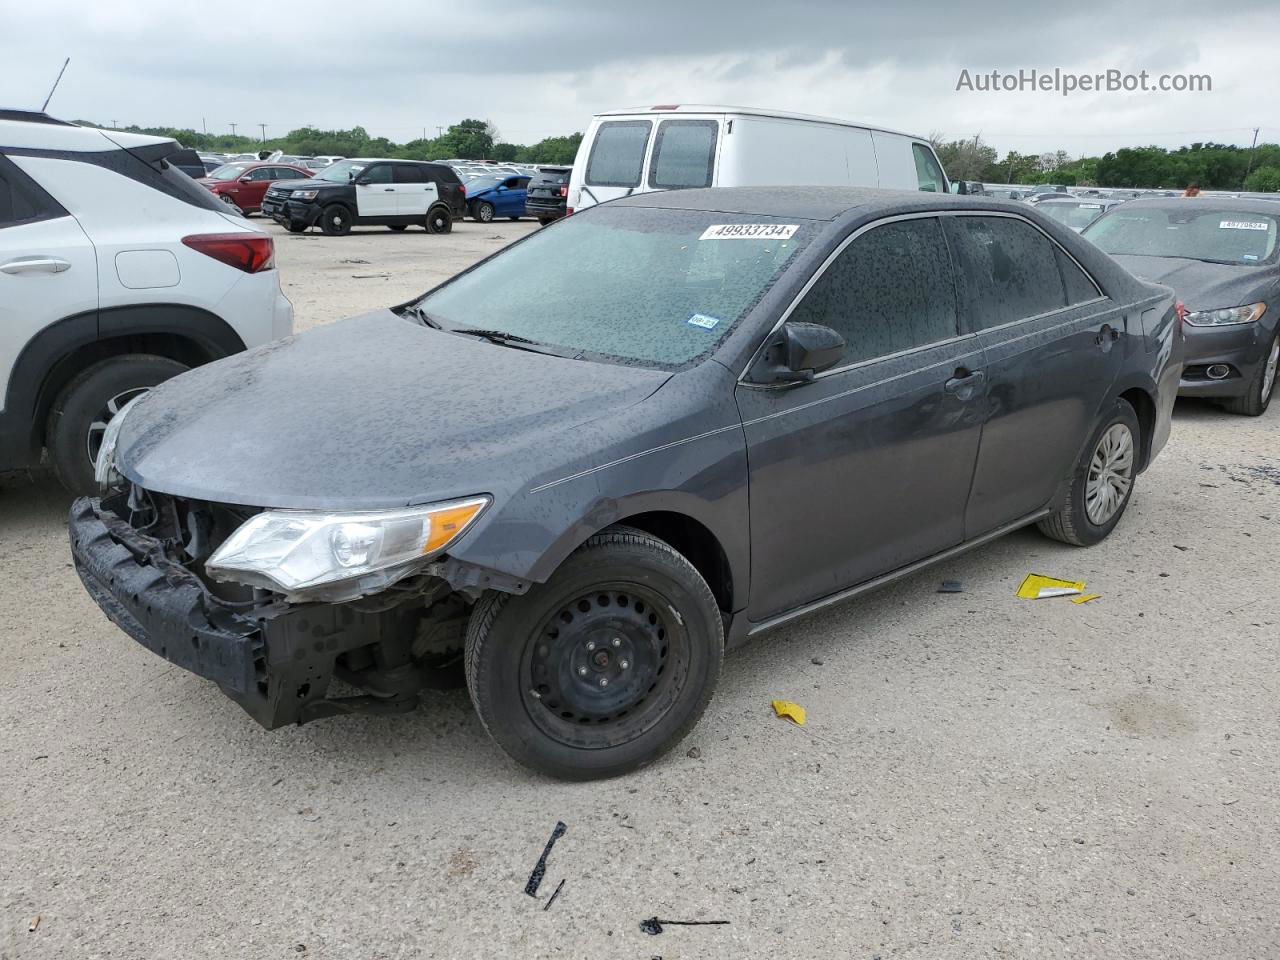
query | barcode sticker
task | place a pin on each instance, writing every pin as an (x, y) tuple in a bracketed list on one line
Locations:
[(1242, 225), (750, 231)]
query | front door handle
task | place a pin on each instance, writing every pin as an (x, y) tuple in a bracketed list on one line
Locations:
[(964, 384), (36, 265)]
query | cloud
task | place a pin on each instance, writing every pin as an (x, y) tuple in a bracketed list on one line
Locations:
[(398, 68)]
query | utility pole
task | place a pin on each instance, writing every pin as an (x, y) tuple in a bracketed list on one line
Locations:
[(233, 129), (439, 131), (203, 127), (264, 132), (114, 123), (1249, 165)]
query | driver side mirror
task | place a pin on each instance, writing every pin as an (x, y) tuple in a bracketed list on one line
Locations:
[(798, 352), (960, 186), (245, 178)]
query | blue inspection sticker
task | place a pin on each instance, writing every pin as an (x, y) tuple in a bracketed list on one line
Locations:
[(703, 321)]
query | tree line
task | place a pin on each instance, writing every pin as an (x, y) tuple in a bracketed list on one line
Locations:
[(1215, 166), (468, 140)]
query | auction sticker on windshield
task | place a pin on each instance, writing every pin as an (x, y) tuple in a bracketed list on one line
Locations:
[(750, 231), (1241, 225), (703, 321)]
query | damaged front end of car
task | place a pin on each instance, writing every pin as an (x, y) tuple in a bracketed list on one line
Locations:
[(275, 605)]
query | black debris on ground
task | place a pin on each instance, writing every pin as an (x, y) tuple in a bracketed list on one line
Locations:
[(540, 868)]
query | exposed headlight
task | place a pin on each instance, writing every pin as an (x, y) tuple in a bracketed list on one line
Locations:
[(303, 195), (298, 551), (1226, 316), (104, 468)]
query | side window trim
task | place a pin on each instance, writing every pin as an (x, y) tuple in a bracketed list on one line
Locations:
[(817, 275), (47, 208)]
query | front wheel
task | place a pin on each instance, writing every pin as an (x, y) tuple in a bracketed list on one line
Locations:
[(1101, 483), (603, 668), (439, 220), (335, 220), (483, 212), (80, 413), (1256, 399)]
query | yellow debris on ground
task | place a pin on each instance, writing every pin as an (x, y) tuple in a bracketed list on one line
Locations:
[(1086, 598), (1037, 587), (792, 711)]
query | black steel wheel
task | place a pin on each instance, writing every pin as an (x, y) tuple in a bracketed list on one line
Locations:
[(439, 220), (604, 667), (335, 220)]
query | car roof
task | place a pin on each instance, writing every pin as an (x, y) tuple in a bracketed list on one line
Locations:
[(809, 203), (751, 112), (21, 129), (425, 163), (1229, 204)]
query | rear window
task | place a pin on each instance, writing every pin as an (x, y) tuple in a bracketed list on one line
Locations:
[(1077, 215), (928, 173), (684, 154), (551, 176), (617, 156)]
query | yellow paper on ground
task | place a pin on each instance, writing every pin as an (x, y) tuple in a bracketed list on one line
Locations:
[(792, 711), (1086, 598), (1036, 587)]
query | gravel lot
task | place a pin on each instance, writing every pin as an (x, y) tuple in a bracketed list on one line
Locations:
[(981, 776)]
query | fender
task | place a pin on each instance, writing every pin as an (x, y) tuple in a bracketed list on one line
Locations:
[(204, 336)]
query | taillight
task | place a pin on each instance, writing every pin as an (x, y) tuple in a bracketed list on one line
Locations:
[(564, 191), (250, 252), (568, 211)]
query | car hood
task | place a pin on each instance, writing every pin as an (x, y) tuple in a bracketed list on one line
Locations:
[(1200, 285), (375, 411)]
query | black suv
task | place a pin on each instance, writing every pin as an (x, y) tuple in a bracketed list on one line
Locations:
[(392, 193), (548, 194)]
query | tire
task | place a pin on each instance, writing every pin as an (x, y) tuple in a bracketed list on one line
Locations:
[(439, 220), (483, 211), (83, 407), (397, 227), (293, 226), (1255, 400), (335, 220), (544, 221), (624, 609), (1073, 522)]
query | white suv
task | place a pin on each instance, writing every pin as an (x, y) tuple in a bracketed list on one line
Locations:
[(117, 271)]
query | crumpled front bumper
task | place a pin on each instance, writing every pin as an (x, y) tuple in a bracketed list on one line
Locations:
[(276, 664)]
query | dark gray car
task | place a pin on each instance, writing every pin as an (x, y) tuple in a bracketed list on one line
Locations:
[(1220, 257), (587, 465)]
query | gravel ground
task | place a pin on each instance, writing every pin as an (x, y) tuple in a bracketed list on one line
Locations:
[(980, 776)]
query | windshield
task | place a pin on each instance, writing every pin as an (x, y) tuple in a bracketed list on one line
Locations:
[(1076, 215), (228, 171), (342, 171), (1186, 229), (639, 285)]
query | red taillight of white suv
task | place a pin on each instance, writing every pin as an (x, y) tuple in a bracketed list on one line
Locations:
[(250, 252)]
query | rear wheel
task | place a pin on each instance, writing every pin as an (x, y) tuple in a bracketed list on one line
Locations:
[(439, 220), (1257, 398), (483, 211), (81, 411), (603, 668), (1101, 483), (335, 220)]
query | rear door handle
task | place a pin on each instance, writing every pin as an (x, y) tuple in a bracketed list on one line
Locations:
[(964, 383), (389, 190), (36, 265)]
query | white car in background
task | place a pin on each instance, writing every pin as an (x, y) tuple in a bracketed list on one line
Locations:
[(677, 146), (117, 271)]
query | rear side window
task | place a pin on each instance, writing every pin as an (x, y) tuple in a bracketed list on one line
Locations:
[(890, 290), (617, 156), (1080, 288), (684, 154), (22, 200), (928, 173), (410, 173), (1008, 270)]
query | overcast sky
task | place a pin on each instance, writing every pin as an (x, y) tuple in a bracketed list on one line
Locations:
[(542, 68)]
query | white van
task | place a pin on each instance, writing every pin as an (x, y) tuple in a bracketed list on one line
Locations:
[(694, 145)]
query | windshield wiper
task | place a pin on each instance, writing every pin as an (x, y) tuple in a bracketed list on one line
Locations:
[(423, 317), (504, 339), (495, 336)]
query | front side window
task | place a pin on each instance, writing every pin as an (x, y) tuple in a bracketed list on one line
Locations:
[(643, 286), (890, 290), (928, 173), (684, 154), (617, 156), (1008, 270), (377, 173), (1187, 229)]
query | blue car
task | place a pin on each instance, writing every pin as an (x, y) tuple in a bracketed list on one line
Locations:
[(491, 197)]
